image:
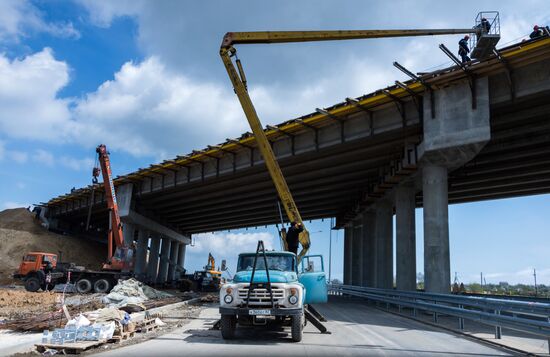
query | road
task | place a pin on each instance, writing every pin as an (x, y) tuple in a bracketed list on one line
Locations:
[(357, 330)]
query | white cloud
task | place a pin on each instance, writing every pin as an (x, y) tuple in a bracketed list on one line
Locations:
[(18, 18), (77, 164), (11, 204), (16, 156), (102, 13), (225, 246), (29, 107), (43, 157)]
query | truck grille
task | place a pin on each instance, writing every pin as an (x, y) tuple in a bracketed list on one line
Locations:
[(261, 296)]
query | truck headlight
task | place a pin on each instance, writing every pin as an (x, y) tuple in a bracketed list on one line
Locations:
[(228, 299), (293, 299)]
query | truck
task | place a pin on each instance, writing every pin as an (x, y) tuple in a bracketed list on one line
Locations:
[(41, 270), (269, 288)]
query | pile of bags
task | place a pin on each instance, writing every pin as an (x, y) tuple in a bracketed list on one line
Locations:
[(132, 292)]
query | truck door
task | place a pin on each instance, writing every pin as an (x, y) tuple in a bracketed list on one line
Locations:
[(312, 276)]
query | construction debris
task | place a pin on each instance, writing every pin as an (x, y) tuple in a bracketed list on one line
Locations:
[(132, 292)]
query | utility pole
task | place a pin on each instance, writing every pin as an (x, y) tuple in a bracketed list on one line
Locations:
[(481, 282), (535, 276), (330, 252)]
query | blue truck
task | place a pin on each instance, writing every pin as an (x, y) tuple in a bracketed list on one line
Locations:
[(280, 294)]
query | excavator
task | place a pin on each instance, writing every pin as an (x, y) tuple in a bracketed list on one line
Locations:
[(41, 270), (208, 279), (239, 82)]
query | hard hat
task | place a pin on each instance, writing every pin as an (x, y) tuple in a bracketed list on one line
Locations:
[(536, 27), (467, 36)]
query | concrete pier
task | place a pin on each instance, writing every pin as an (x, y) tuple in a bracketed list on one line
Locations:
[(164, 260), (348, 247), (181, 256), (384, 244), (369, 249), (153, 264), (437, 269), (128, 231), (405, 243), (357, 253), (141, 254), (173, 260)]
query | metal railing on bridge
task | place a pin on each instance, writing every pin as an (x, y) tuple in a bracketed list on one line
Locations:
[(524, 316)]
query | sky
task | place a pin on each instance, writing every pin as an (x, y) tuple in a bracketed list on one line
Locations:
[(145, 78)]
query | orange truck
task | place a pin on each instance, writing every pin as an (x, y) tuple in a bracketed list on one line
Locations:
[(42, 271)]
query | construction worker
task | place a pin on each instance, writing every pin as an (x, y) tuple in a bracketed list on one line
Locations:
[(463, 49), (484, 25), (537, 32), (292, 236)]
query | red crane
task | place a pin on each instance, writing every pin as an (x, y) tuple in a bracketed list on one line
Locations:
[(122, 259)]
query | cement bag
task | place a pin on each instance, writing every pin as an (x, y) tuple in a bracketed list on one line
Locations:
[(106, 331), (78, 322)]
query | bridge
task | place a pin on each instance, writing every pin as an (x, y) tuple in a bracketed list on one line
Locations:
[(461, 134)]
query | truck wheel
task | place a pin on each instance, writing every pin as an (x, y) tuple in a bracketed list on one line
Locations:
[(228, 324), (297, 328), (84, 286), (102, 286), (32, 284)]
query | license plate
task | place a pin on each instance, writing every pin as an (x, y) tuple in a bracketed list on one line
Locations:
[(259, 312)]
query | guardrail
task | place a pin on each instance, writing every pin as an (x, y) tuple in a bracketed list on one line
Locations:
[(529, 317)]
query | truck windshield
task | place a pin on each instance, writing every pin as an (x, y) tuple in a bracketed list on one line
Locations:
[(274, 262)]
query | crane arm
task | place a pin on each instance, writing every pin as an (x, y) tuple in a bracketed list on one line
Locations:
[(233, 38), (238, 79), (115, 231)]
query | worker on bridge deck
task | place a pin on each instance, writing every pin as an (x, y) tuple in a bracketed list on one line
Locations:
[(537, 32), (292, 236), (463, 49)]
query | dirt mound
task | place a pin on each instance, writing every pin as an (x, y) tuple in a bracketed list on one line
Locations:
[(13, 302), (19, 219), (21, 233)]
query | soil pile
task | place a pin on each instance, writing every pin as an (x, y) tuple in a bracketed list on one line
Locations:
[(21, 233), (14, 302)]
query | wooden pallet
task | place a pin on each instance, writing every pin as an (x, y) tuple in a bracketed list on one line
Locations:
[(69, 348), (147, 326), (118, 338)]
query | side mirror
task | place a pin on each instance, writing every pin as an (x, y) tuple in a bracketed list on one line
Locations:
[(224, 265)]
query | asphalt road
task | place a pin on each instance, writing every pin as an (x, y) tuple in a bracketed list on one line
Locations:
[(357, 330)]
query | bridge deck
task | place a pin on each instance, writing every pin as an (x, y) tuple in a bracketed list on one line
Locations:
[(356, 331)]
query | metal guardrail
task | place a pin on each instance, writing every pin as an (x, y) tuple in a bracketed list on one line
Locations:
[(529, 317)]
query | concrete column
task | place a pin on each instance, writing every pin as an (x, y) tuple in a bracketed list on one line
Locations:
[(153, 264), (164, 260), (369, 248), (181, 255), (405, 244), (348, 242), (141, 254), (384, 244), (437, 270), (357, 253), (173, 260), (128, 230)]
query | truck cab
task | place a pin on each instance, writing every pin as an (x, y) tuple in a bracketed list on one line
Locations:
[(240, 305), (35, 270)]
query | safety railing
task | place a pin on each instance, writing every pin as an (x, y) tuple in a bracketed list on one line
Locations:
[(486, 23), (528, 317)]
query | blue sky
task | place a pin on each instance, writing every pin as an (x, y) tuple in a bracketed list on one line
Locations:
[(145, 78)]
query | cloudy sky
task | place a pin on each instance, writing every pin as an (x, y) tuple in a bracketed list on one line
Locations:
[(145, 78)]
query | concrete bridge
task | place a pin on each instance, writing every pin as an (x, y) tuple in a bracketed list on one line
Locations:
[(456, 135)]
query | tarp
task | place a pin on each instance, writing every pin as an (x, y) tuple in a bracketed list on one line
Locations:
[(132, 292)]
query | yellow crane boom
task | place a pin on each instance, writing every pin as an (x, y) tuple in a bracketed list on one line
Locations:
[(238, 79)]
